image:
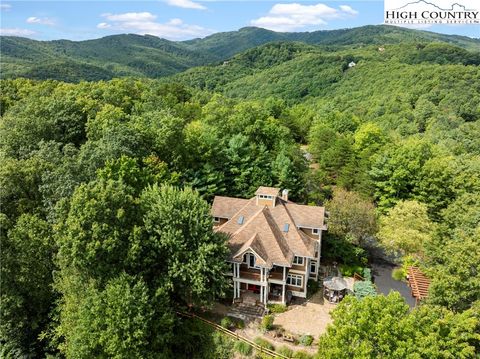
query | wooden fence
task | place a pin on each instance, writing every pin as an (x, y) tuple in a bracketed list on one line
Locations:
[(235, 336)]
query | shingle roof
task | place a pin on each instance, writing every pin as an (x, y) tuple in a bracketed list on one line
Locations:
[(226, 207), (270, 191), (262, 229), (307, 216)]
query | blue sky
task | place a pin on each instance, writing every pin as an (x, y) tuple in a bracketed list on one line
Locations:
[(186, 19)]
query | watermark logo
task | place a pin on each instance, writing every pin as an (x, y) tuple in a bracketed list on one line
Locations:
[(432, 12)]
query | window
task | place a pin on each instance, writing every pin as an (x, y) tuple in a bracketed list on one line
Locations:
[(216, 219), (298, 260), (249, 259), (251, 262), (264, 196), (315, 231), (313, 267), (295, 280)]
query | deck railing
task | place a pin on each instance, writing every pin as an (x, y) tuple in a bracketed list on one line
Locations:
[(235, 336)]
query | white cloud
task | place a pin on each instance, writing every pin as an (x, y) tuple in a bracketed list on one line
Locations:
[(40, 20), (186, 4), (145, 23), (104, 25), (16, 32), (131, 16), (293, 16), (348, 9), (5, 7)]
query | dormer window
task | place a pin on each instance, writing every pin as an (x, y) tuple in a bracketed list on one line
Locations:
[(264, 196)]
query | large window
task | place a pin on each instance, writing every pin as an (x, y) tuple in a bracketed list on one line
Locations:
[(298, 260), (313, 267), (249, 259), (295, 280)]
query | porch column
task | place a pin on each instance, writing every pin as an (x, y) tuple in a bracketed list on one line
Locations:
[(307, 275), (238, 269), (283, 293), (261, 293), (234, 289)]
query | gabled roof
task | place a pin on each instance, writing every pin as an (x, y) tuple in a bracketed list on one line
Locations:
[(307, 216), (226, 207), (270, 232), (269, 191)]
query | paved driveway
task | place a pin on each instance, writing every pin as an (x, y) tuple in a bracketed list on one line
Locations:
[(385, 283)]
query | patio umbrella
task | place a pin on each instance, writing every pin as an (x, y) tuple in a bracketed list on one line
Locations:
[(336, 284)]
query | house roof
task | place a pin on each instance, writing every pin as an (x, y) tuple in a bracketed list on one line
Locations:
[(270, 232), (270, 191), (226, 207)]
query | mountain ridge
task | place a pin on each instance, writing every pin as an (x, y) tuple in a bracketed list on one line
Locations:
[(154, 57)]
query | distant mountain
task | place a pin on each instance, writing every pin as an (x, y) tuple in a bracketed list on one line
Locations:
[(295, 71), (150, 56)]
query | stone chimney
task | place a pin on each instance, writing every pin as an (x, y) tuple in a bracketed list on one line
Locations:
[(285, 195)]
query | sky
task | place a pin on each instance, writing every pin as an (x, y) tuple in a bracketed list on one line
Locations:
[(187, 19)]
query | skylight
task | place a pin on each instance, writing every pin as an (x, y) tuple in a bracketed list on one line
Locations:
[(240, 219), (286, 227)]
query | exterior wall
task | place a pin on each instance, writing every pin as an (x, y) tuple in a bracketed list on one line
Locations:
[(296, 267), (265, 202)]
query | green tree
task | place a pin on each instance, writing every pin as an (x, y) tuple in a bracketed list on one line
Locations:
[(383, 326), (406, 229), (162, 239), (454, 268), (350, 216), (26, 280)]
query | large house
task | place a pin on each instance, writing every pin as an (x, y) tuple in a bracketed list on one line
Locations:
[(274, 243)]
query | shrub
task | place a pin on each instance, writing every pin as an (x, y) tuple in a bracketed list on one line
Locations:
[(243, 348), (267, 323), (336, 248), (306, 340), (367, 274), (223, 346), (227, 322), (240, 324), (349, 271), (364, 289), (302, 355), (263, 343), (286, 351), (277, 308), (398, 274)]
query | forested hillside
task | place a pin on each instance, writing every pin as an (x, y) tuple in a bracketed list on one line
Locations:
[(105, 189), (152, 57)]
